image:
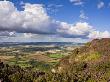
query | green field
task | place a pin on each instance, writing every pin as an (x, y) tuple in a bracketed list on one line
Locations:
[(57, 56)]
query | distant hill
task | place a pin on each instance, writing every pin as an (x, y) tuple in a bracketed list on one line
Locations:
[(90, 62), (6, 44)]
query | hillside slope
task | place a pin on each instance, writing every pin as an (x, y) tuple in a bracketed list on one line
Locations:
[(90, 62)]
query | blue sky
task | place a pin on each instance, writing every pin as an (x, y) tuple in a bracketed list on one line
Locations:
[(70, 14)]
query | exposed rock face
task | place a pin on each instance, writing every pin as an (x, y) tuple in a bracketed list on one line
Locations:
[(100, 45)]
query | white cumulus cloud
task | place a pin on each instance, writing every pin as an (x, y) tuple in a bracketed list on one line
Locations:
[(82, 15), (98, 34), (80, 29), (100, 5), (77, 2), (32, 19)]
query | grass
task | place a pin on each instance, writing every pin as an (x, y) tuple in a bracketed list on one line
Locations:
[(93, 56), (24, 65), (88, 57), (57, 56)]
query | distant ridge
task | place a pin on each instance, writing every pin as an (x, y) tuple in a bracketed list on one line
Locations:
[(38, 43)]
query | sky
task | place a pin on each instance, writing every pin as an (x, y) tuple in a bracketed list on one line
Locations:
[(54, 20)]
